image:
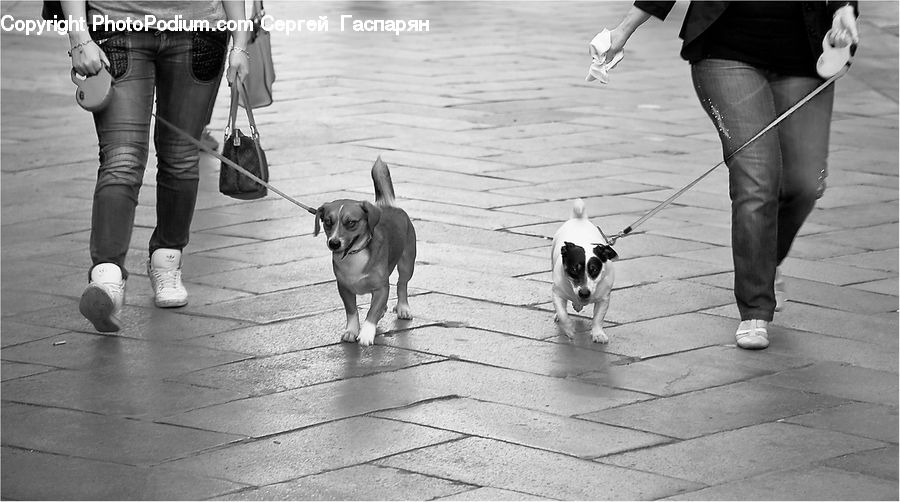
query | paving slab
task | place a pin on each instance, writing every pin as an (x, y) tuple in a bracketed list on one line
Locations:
[(734, 455), (543, 431), (492, 494), (668, 335), (25, 478), (668, 297), (488, 315), (265, 375), (289, 410), (13, 371), (481, 286), (808, 483), (501, 465), (717, 409), (111, 394), (565, 397), (786, 341), (841, 380), (692, 370), (14, 333), (873, 421), (144, 323), (881, 463), (100, 437), (525, 354), (357, 483), (117, 357), (286, 457)]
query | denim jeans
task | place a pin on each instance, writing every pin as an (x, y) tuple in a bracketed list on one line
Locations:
[(183, 69), (773, 182)]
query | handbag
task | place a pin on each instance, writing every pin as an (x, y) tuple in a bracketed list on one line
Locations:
[(262, 69), (243, 150)]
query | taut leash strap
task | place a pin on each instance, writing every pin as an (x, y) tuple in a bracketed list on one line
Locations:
[(662, 205), (230, 162)]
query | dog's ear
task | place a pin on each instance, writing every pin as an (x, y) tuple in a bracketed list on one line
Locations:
[(319, 214), (605, 253), (373, 213)]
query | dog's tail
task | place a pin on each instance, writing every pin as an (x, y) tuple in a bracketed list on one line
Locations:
[(578, 209), (384, 187)]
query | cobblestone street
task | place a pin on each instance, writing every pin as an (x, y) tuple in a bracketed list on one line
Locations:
[(490, 132)]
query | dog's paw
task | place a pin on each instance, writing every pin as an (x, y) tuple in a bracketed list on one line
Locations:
[(352, 330), (568, 328), (599, 336), (367, 334), (403, 311)]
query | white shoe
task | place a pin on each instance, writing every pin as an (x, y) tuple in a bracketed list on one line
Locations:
[(164, 269), (103, 298), (780, 291), (752, 334)]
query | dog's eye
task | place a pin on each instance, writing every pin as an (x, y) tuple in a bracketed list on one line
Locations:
[(350, 224), (327, 223)]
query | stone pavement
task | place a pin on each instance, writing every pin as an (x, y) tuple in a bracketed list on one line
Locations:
[(490, 131)]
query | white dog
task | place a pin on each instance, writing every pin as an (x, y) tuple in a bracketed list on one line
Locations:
[(582, 271)]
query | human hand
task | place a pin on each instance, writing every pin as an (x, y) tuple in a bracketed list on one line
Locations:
[(238, 65), (617, 39), (88, 58), (843, 28)]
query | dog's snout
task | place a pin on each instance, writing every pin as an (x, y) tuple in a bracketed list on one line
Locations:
[(334, 244), (584, 293)]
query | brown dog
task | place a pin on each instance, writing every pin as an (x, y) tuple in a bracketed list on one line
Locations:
[(367, 241)]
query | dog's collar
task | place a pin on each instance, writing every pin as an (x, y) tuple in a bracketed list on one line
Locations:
[(350, 249)]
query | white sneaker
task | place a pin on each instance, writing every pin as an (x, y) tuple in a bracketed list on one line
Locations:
[(752, 334), (780, 291), (103, 298), (164, 269)]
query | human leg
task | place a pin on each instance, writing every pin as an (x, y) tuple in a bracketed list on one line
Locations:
[(122, 133), (804, 150), (738, 99), (188, 72)]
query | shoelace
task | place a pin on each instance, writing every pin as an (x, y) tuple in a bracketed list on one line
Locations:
[(167, 279), (114, 288)]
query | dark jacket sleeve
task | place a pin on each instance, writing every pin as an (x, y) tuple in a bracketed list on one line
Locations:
[(658, 10)]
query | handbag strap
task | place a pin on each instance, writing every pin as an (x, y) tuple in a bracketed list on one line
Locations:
[(240, 92), (257, 11)]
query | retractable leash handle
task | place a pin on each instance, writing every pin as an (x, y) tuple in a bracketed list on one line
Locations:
[(832, 65)]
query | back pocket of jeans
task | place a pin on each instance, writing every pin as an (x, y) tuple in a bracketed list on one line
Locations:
[(116, 49), (208, 54)]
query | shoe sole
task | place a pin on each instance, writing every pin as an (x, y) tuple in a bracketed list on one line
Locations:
[(98, 308), (170, 304)]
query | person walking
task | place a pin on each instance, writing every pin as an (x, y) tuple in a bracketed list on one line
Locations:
[(181, 69), (751, 61)]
